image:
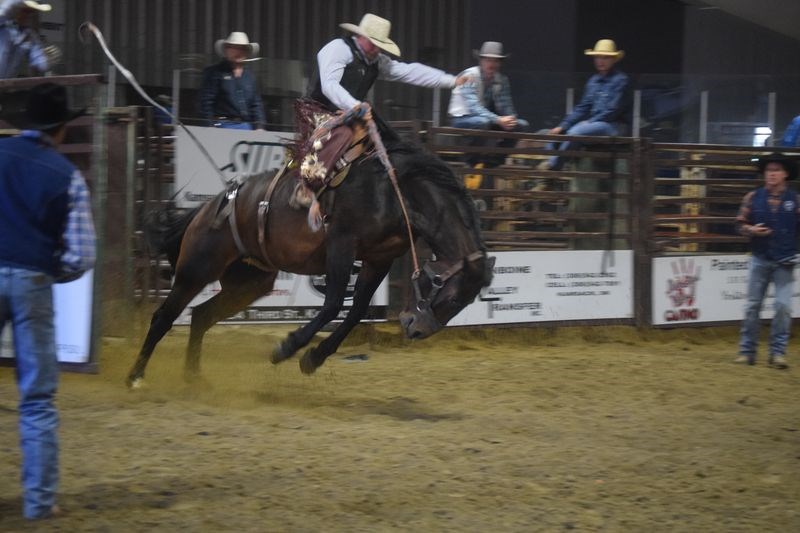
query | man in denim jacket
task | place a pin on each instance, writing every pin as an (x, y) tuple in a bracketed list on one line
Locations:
[(47, 237), (770, 216), (229, 96), (484, 103), (605, 105)]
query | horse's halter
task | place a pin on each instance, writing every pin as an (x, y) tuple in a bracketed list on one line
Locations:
[(438, 280)]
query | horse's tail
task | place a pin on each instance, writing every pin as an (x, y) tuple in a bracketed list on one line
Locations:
[(164, 229)]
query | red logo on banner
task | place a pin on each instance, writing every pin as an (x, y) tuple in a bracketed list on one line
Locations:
[(682, 291)]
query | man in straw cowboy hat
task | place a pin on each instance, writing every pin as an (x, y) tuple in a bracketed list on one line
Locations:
[(19, 39), (229, 96), (605, 105), (349, 66), (770, 216), (48, 237), (484, 103)]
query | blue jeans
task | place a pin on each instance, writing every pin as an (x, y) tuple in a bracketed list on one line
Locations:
[(762, 272), (233, 125), (477, 122), (581, 128), (26, 299)]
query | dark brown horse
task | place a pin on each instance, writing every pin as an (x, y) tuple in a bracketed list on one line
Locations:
[(364, 222)]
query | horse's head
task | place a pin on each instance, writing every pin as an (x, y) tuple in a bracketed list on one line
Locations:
[(442, 289)]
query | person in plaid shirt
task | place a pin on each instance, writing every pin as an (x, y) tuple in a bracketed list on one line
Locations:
[(770, 216), (48, 237)]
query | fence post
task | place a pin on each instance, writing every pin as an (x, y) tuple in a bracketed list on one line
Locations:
[(771, 104), (703, 135), (111, 93), (643, 194), (637, 113), (437, 105), (570, 104), (176, 93)]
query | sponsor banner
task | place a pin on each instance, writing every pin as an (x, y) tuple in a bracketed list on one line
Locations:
[(294, 298), (237, 152), (72, 306), (705, 288), (554, 286)]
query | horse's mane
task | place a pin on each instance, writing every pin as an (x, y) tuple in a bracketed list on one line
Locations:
[(415, 163)]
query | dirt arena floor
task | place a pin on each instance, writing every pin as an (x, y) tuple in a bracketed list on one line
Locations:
[(586, 429)]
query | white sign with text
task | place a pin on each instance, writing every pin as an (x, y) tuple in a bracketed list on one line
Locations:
[(239, 153), (554, 286), (705, 288)]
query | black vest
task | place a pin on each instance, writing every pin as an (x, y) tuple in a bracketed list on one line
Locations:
[(357, 78)]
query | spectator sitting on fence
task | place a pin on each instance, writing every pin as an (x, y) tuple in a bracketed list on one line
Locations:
[(19, 39), (229, 96), (484, 103), (605, 105), (791, 138), (770, 216)]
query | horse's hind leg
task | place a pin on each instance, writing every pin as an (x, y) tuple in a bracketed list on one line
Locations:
[(179, 297), (369, 279), (241, 284)]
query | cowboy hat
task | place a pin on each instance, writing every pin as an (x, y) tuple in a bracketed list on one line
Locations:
[(491, 49), (788, 163), (236, 38), (32, 4), (376, 29), (46, 108), (605, 47)]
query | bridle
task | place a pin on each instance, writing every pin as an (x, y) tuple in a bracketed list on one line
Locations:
[(438, 279)]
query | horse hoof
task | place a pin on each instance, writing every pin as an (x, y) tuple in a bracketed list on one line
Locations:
[(136, 383), (307, 364), (279, 354)]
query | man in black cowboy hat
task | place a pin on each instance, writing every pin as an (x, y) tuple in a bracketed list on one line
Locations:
[(770, 216), (47, 237)]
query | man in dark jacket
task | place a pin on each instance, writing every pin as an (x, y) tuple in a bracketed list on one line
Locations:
[(47, 237), (770, 216), (229, 97)]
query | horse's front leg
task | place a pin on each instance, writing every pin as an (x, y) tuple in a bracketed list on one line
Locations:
[(369, 279), (340, 257)]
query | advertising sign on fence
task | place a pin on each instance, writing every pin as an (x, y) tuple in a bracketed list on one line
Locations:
[(236, 153), (294, 298), (705, 288), (554, 286), (72, 306)]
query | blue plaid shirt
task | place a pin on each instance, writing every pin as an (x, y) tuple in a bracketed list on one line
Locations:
[(17, 43), (78, 253)]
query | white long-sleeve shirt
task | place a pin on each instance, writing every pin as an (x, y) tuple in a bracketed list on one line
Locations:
[(336, 55)]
